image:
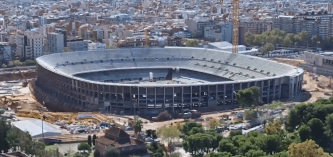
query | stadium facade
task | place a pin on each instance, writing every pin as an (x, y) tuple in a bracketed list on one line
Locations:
[(157, 79)]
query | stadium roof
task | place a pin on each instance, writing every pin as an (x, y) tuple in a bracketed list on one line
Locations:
[(236, 67)]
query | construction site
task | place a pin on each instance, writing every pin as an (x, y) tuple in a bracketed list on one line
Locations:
[(75, 125)]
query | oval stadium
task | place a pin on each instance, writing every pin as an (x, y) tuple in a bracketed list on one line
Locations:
[(151, 80)]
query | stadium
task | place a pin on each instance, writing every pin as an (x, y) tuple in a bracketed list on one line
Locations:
[(151, 80)]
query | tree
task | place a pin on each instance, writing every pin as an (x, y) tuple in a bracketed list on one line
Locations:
[(89, 140), (287, 41), (255, 153), (94, 139), (220, 154), (97, 153), (317, 128), (248, 97), (196, 130), (249, 38), (84, 147), (111, 47), (272, 143), (309, 148), (329, 123), (4, 130), (273, 128), (112, 152), (293, 120), (169, 133), (304, 132), (137, 126), (189, 125), (67, 49), (213, 123), (198, 143), (227, 146), (268, 47), (192, 43)]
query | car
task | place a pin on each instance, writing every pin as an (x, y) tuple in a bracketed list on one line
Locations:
[(149, 139), (127, 128)]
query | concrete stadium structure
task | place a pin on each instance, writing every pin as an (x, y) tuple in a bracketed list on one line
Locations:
[(156, 79)]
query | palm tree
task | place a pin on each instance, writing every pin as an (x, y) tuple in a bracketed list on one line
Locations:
[(137, 126)]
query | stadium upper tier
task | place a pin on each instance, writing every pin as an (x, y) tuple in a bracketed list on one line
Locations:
[(231, 67)]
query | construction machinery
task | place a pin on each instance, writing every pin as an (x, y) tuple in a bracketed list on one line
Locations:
[(235, 22), (147, 38)]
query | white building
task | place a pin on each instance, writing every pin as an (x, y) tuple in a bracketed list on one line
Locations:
[(29, 45), (96, 46), (55, 42)]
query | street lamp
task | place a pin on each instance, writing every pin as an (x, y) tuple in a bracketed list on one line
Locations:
[(43, 118)]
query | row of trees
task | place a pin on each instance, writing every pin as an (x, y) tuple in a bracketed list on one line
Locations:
[(18, 63), (308, 138), (313, 121), (269, 39)]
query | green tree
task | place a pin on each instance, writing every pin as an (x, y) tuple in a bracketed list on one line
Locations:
[(268, 47), (317, 128), (84, 147), (293, 120), (303, 35), (308, 148), (272, 143), (111, 47), (192, 43), (213, 123), (196, 130), (255, 153), (198, 143), (249, 97), (304, 132), (89, 140), (220, 154), (273, 128), (329, 124), (67, 49), (280, 154), (137, 126), (227, 146), (112, 152), (287, 41), (249, 38), (187, 127), (169, 133), (4, 130)]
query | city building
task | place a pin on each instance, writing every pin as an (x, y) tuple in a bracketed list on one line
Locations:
[(96, 46), (77, 45), (30, 45), (5, 52), (118, 138), (55, 43)]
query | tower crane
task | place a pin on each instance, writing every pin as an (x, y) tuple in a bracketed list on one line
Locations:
[(235, 23), (147, 38)]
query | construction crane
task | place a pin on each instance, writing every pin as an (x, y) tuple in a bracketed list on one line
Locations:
[(221, 6), (235, 22), (146, 36)]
